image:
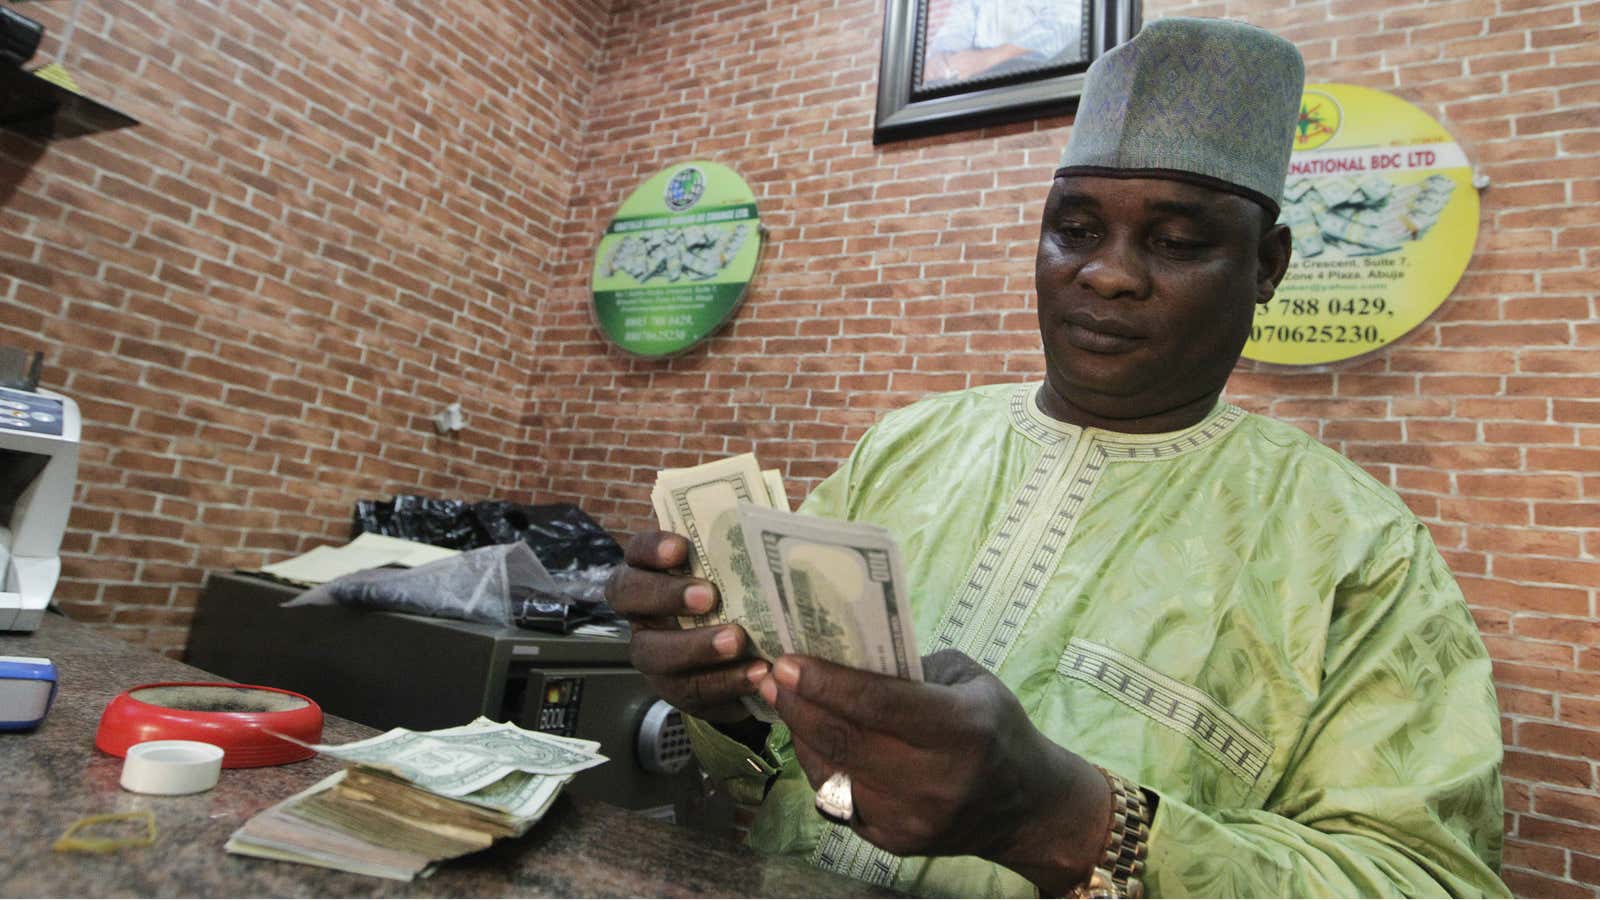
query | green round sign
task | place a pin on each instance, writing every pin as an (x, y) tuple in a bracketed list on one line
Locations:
[(674, 263)]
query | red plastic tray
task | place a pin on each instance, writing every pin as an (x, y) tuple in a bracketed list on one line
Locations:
[(242, 735)]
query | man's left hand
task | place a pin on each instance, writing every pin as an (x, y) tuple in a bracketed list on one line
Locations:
[(949, 766)]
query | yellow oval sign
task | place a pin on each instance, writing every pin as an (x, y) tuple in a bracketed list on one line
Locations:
[(1384, 214)]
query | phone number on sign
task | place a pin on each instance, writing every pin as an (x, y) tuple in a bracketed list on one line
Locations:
[(1337, 306), (1315, 334)]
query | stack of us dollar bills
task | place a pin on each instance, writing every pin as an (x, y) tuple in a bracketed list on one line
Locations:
[(410, 799), (798, 584)]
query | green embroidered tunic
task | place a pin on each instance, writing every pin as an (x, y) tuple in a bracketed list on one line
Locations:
[(1231, 615)]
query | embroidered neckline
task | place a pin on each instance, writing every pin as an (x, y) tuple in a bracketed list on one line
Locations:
[(1028, 418)]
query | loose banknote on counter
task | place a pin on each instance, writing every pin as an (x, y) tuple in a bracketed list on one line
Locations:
[(798, 584), (413, 798)]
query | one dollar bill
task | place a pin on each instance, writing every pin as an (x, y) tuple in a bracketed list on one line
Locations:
[(455, 762)]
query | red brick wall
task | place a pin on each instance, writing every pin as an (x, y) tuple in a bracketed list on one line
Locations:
[(332, 222), (904, 269)]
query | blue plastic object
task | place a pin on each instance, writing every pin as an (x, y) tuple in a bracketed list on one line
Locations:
[(27, 689)]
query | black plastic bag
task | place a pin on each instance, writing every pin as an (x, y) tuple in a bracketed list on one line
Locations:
[(566, 538), (562, 535), (442, 523)]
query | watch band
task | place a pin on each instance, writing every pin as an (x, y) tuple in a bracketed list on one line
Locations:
[(1121, 869)]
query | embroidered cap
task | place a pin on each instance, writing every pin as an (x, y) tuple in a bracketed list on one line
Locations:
[(1204, 100)]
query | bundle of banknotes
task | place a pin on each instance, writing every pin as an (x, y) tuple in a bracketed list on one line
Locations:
[(411, 799), (1351, 217), (798, 584)]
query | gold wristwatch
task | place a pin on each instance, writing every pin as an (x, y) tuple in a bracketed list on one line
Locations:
[(1121, 870)]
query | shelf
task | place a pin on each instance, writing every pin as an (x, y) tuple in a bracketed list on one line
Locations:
[(43, 109)]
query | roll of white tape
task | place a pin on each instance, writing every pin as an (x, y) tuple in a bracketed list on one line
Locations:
[(171, 767)]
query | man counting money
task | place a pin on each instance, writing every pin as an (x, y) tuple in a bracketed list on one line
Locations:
[(1177, 648)]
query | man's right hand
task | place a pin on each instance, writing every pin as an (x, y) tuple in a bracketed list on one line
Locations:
[(702, 671)]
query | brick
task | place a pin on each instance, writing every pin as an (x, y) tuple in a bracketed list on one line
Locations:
[(1534, 884), (1441, 430), (1575, 515), (1536, 704), (1586, 869), (1359, 430), (1518, 598), (1584, 411), (1581, 712), (1570, 120), (1537, 857), (1540, 653), (1558, 739), (1562, 459), (1523, 540), (1547, 769), (1555, 571), (1527, 433), (1455, 457), (1567, 361), (1549, 385), (1502, 408), (1571, 836), (1538, 487), (1505, 335)]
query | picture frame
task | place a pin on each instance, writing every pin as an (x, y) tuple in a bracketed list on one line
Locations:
[(929, 84)]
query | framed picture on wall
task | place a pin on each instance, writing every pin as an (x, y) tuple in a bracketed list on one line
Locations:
[(951, 65)]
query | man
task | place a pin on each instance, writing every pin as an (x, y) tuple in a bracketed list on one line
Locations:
[(983, 38), (1178, 647)]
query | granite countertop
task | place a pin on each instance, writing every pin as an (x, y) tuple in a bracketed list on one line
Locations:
[(53, 775)]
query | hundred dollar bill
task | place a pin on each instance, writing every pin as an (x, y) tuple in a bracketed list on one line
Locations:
[(840, 588), (777, 494), (702, 504)]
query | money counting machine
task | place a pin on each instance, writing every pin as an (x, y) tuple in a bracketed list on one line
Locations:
[(39, 433), (388, 669)]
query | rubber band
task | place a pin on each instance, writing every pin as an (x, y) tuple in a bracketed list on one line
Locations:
[(70, 841)]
